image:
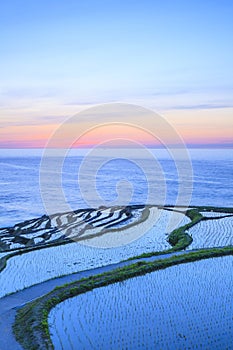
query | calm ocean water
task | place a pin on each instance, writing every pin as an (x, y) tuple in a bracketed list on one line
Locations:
[(212, 182)]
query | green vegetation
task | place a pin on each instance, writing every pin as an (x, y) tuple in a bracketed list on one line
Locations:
[(215, 209), (20, 251), (31, 324), (179, 239)]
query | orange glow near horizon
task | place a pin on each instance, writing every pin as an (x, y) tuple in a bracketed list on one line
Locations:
[(195, 127)]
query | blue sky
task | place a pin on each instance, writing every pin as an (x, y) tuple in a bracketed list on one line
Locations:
[(162, 54)]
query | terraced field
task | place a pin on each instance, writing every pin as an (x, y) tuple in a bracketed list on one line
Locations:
[(36, 266), (62, 227), (184, 307), (48, 247), (128, 232), (217, 232)]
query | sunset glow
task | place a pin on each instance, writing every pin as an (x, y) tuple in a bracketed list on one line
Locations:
[(60, 58), (210, 127)]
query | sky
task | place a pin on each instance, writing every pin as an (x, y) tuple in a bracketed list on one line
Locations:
[(58, 58)]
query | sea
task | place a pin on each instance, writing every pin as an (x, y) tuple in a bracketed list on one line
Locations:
[(203, 178)]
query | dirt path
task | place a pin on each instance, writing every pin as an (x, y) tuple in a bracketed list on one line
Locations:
[(9, 304)]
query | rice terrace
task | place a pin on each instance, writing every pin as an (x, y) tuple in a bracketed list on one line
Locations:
[(127, 296), (116, 175)]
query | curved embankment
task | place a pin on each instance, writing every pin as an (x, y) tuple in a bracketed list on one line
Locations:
[(215, 233), (10, 303), (24, 234), (178, 239), (180, 236), (163, 309), (66, 259), (40, 265), (62, 228), (65, 228), (31, 326), (76, 225)]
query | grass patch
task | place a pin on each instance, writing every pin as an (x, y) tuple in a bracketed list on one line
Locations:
[(31, 325), (20, 251), (179, 239)]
